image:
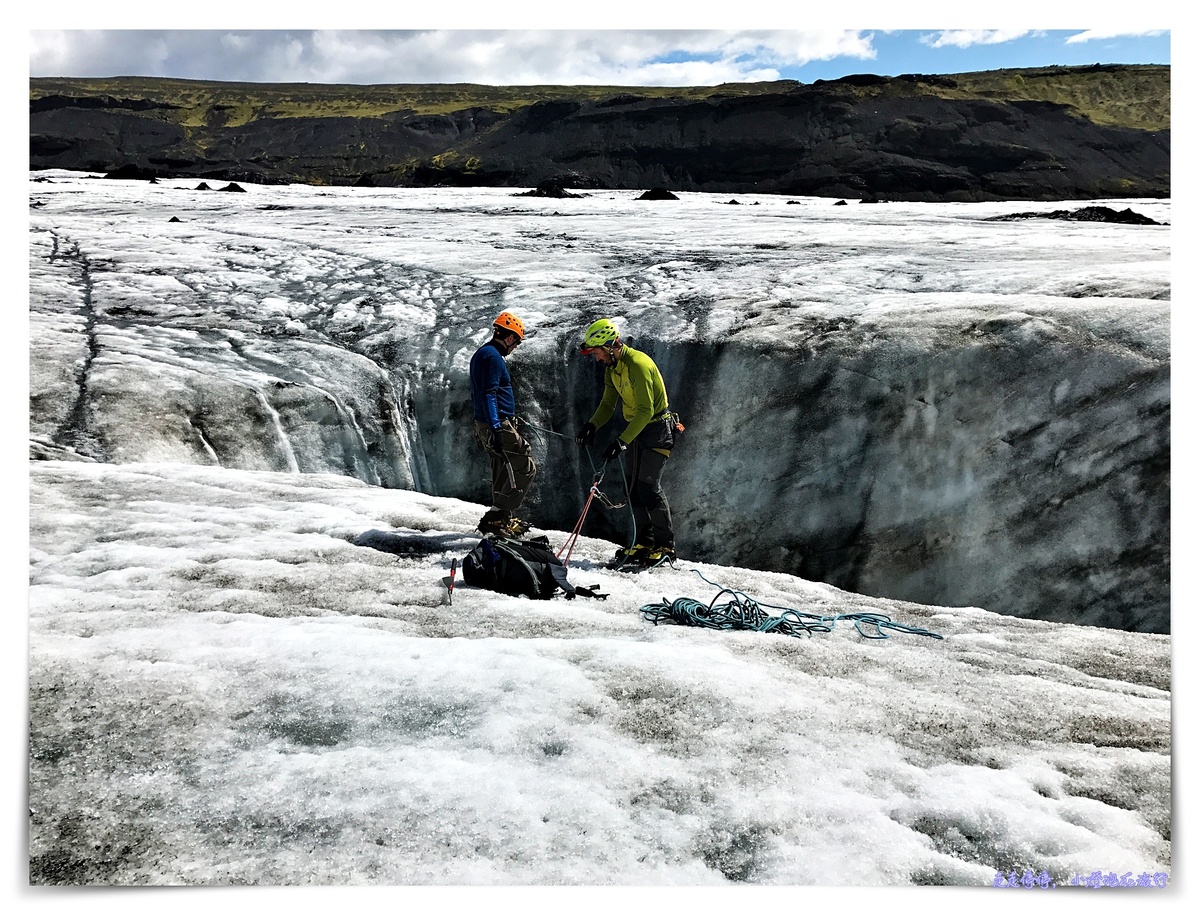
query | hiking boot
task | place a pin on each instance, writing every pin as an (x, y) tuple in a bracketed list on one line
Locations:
[(493, 522), (635, 553), (624, 558), (515, 527), (660, 554)]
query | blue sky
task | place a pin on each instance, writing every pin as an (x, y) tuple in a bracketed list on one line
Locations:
[(942, 51), (555, 55)]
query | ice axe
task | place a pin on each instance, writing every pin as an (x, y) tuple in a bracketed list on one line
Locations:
[(448, 581)]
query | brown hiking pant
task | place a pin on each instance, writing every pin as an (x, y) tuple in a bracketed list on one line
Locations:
[(513, 468)]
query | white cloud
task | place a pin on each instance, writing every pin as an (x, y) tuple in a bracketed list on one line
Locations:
[(1103, 34), (966, 38), (622, 57)]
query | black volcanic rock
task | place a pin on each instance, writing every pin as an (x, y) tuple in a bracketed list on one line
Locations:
[(1086, 214), (131, 172), (553, 188), (658, 193)]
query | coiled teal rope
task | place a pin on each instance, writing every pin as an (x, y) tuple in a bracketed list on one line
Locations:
[(743, 612)]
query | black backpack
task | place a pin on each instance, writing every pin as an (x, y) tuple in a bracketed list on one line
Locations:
[(520, 568)]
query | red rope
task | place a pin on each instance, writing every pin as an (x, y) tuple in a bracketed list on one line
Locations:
[(578, 527)]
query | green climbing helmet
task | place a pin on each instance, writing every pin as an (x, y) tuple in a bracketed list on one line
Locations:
[(602, 333)]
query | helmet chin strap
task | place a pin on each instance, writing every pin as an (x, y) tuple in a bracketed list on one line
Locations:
[(503, 337)]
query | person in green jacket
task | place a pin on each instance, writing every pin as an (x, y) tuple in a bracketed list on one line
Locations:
[(649, 434)]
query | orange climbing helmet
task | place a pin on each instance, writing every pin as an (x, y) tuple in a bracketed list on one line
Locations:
[(506, 320)]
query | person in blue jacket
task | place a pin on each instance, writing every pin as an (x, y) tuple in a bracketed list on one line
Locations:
[(495, 408)]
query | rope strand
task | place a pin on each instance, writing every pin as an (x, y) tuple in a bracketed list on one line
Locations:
[(569, 546)]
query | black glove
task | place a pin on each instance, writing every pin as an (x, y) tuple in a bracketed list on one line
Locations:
[(494, 440), (613, 450), (586, 435)]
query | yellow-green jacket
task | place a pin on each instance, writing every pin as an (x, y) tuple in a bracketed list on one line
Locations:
[(636, 380)]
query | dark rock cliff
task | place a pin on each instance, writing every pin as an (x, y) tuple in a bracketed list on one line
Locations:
[(821, 142), (904, 138)]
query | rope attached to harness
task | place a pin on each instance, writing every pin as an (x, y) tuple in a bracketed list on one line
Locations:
[(526, 422), (569, 546), (743, 612), (594, 493)]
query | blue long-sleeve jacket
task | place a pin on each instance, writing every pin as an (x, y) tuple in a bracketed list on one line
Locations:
[(491, 386)]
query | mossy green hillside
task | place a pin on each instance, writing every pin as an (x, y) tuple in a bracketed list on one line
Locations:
[(1136, 96)]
